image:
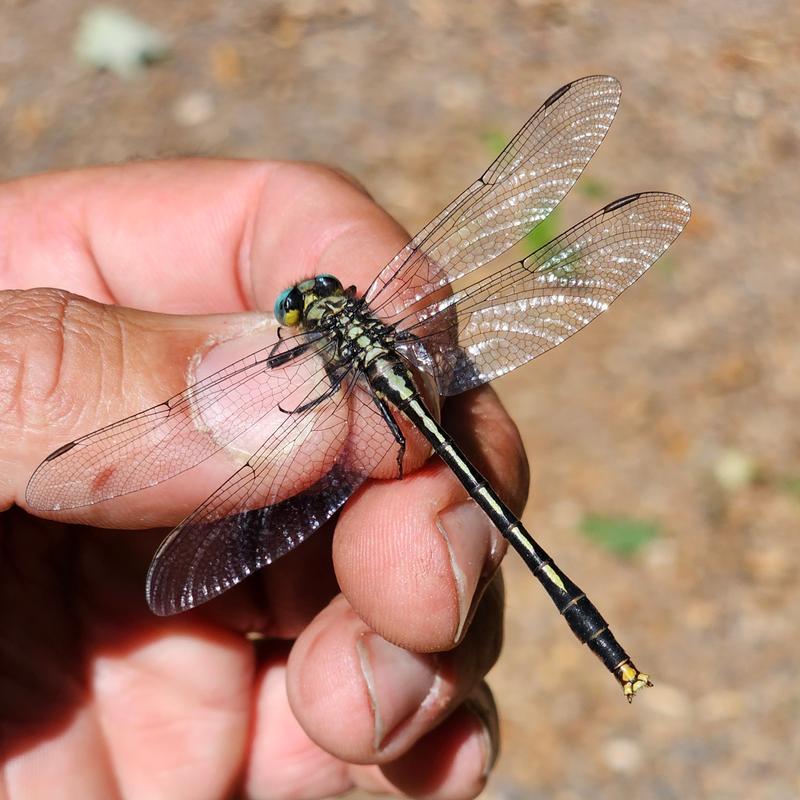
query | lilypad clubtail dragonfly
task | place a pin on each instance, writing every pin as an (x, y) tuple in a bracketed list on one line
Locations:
[(339, 387)]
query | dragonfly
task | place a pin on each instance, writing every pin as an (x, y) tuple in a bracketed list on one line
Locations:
[(353, 375)]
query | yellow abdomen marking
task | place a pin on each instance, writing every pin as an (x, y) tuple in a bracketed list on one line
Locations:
[(553, 575)]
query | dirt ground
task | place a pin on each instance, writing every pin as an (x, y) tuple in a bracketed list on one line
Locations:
[(680, 407)]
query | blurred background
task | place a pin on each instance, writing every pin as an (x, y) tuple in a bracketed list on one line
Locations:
[(664, 441)]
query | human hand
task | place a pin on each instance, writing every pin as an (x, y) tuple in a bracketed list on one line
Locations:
[(369, 665)]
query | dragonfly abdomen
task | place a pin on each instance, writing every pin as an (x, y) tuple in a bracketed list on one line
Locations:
[(581, 615)]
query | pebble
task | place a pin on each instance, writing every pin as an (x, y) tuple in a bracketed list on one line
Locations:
[(193, 108), (111, 39), (734, 470), (661, 554), (623, 755)]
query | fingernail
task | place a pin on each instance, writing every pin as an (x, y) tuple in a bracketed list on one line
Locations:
[(481, 705), (224, 411), (398, 682), (473, 545), (237, 336)]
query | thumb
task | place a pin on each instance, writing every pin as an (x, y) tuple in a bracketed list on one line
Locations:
[(69, 366)]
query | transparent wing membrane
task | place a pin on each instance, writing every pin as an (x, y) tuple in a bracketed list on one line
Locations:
[(523, 185), (520, 312), (291, 486), (165, 440)]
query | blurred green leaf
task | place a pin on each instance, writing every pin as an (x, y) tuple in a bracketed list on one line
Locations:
[(592, 188), (791, 485), (620, 535), (494, 141), (546, 230), (666, 267)]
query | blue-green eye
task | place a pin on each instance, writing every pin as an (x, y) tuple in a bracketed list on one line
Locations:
[(279, 305), (289, 307)]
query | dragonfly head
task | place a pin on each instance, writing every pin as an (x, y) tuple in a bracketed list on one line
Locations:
[(292, 303)]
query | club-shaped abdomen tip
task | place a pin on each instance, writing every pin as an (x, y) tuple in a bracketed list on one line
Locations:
[(632, 680)]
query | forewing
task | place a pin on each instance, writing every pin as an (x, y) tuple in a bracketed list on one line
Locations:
[(510, 317), (523, 185), (167, 439), (296, 481)]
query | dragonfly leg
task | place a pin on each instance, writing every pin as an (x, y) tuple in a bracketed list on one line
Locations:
[(336, 379), (276, 359), (386, 413)]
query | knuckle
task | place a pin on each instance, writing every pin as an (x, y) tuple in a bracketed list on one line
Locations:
[(331, 174), (52, 344)]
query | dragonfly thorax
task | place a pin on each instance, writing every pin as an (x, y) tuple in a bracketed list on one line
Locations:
[(322, 304)]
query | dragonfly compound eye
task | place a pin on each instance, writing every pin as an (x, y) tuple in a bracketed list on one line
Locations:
[(289, 307), (325, 285)]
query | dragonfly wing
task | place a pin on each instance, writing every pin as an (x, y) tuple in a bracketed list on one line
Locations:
[(296, 482), (520, 312), (523, 185), (167, 439)]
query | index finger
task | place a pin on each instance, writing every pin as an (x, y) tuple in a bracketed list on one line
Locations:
[(190, 236)]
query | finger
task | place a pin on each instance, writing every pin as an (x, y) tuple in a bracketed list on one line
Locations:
[(413, 556), (366, 700), (93, 682), (175, 710), (283, 761), (192, 236), (452, 761), (70, 365)]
